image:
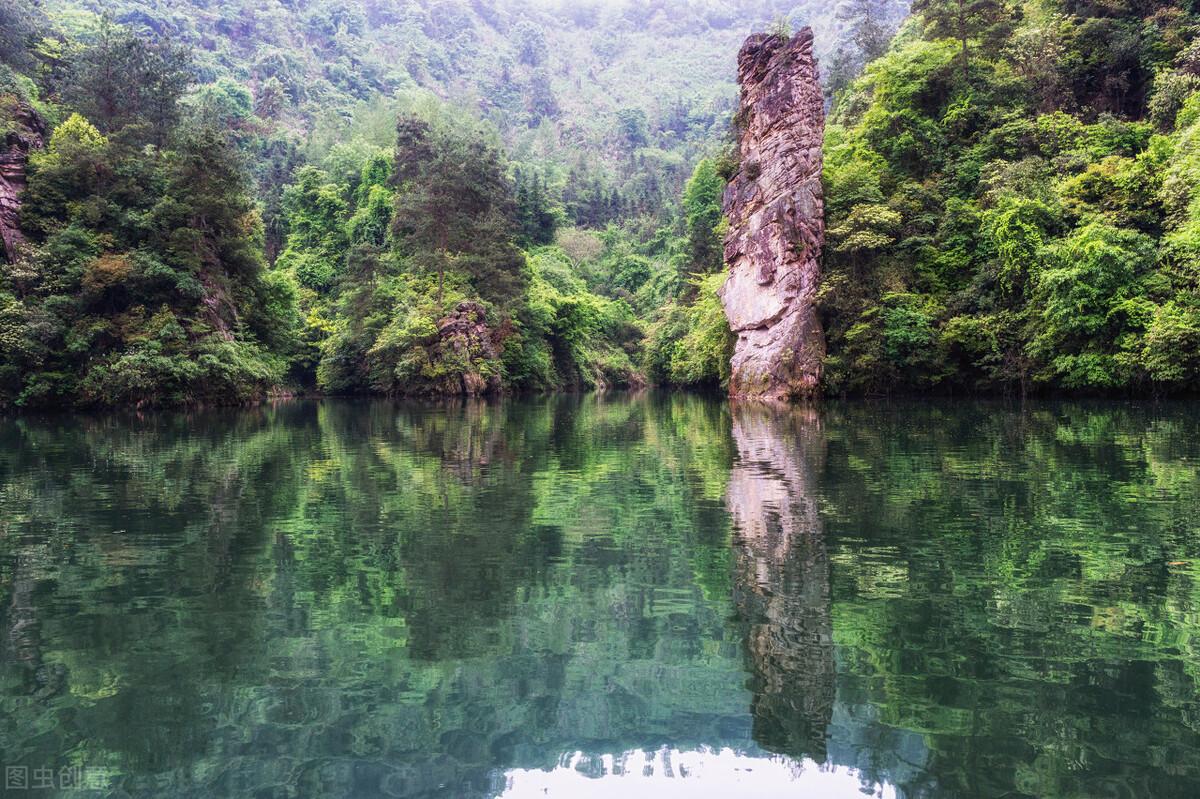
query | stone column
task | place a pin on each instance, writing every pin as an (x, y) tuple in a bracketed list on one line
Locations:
[(776, 218), (29, 133)]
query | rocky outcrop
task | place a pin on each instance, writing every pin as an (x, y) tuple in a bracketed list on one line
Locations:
[(468, 351), (24, 131), (776, 216)]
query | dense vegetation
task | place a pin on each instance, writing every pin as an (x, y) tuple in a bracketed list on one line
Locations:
[(239, 198), (1013, 203), (146, 281), (556, 226)]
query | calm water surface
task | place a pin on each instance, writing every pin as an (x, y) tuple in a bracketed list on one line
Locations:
[(619, 597)]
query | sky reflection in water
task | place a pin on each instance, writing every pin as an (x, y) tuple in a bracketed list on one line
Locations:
[(669, 773)]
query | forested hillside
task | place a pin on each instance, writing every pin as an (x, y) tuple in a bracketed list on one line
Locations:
[(1014, 203), (221, 200), (611, 101), (415, 197)]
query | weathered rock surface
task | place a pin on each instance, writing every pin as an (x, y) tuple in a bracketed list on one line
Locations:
[(470, 349), (26, 131), (776, 218)]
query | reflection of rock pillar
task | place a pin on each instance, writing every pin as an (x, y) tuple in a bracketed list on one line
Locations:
[(782, 579), (23, 641)]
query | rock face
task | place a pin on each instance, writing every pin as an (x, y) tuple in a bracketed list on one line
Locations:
[(776, 218), (468, 346), (26, 132)]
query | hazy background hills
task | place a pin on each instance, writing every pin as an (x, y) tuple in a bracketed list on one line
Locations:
[(619, 82)]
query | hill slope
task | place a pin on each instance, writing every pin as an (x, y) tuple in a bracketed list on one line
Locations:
[(1013, 203), (403, 155)]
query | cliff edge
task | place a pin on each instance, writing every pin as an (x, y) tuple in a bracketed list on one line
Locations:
[(22, 130), (776, 216)]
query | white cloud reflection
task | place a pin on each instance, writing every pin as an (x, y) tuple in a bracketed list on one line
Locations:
[(670, 773)]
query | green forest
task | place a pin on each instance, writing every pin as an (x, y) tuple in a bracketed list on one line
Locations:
[(231, 200), (1014, 203)]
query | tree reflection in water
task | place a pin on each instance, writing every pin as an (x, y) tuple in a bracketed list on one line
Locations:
[(431, 600)]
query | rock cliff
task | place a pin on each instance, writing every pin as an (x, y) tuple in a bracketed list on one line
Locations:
[(776, 221), (23, 130)]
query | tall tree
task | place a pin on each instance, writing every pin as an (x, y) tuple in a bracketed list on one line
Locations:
[(123, 79), (454, 208), (960, 19), (21, 22), (534, 215), (702, 210), (530, 38), (869, 32)]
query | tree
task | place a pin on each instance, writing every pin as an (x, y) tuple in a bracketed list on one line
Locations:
[(375, 203), (225, 102), (21, 22), (270, 99), (531, 43), (1037, 53), (1082, 302), (146, 283), (122, 79), (868, 32), (542, 102), (844, 66), (535, 216), (74, 166), (703, 215), (316, 240), (454, 208), (631, 123), (960, 19), (206, 221)]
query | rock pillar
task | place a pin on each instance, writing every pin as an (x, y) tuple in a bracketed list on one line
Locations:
[(776, 215)]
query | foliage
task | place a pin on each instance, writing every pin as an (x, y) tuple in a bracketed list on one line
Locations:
[(702, 213), (1003, 215), (120, 80), (691, 345), (454, 209), (373, 231), (575, 93), (145, 283)]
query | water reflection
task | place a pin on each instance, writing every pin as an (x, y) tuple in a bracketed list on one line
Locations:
[(697, 773), (781, 576), (605, 595)]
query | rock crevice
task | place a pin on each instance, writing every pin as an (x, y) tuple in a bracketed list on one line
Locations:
[(26, 132), (775, 208)]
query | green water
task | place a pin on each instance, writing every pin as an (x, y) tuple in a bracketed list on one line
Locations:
[(623, 596)]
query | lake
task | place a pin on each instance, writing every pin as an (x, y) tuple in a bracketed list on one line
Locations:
[(618, 596)]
